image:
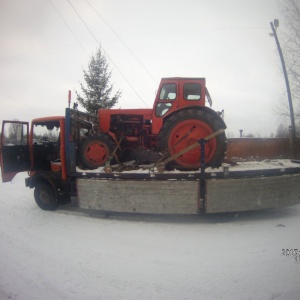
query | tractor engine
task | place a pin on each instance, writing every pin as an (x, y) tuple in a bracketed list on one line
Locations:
[(129, 127)]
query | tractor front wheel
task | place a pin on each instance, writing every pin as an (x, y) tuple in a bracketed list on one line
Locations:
[(94, 151)]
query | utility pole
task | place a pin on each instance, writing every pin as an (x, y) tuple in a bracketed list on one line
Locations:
[(293, 127)]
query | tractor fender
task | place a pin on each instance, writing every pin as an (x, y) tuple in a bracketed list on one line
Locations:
[(203, 108)]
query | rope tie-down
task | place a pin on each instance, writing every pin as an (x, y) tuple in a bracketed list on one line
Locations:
[(201, 142), (161, 166)]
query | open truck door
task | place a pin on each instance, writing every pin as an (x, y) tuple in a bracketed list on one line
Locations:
[(14, 147)]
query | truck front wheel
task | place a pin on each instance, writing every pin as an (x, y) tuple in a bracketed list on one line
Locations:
[(45, 197)]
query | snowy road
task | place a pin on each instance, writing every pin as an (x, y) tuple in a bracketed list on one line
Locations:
[(71, 255)]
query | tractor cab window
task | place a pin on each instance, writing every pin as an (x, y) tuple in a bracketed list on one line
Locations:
[(167, 96), (192, 91), (162, 108), (168, 92)]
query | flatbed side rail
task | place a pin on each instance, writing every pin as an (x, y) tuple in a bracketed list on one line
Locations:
[(218, 174)]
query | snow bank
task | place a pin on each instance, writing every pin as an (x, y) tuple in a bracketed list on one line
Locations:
[(68, 254)]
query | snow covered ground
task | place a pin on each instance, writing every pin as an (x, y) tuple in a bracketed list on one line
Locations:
[(68, 254)]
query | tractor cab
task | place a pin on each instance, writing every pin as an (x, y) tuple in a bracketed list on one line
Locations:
[(178, 92)]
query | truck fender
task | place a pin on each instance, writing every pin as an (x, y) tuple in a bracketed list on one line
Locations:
[(38, 177)]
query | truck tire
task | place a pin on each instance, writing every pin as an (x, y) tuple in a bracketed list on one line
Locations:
[(94, 151), (188, 126), (45, 196)]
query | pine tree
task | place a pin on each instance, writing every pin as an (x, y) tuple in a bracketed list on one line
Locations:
[(98, 88)]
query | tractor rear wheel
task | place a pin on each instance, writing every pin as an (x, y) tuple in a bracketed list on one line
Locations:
[(185, 128), (94, 151)]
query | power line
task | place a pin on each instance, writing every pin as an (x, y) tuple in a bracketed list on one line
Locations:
[(34, 54), (66, 24), (107, 54), (124, 44), (25, 103)]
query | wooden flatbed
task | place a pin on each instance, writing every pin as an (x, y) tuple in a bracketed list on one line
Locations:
[(246, 186)]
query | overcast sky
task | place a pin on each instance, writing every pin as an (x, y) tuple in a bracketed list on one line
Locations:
[(45, 46)]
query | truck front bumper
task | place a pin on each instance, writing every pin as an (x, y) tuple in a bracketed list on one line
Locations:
[(27, 181)]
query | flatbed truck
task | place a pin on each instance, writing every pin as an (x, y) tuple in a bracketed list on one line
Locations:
[(48, 151)]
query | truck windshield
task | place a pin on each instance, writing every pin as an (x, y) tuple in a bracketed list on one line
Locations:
[(46, 132)]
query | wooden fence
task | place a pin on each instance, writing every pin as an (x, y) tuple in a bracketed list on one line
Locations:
[(261, 148)]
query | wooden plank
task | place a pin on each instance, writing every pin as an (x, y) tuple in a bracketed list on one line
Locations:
[(229, 195), (157, 197)]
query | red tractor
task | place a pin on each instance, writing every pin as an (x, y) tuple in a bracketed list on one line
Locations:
[(178, 119)]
